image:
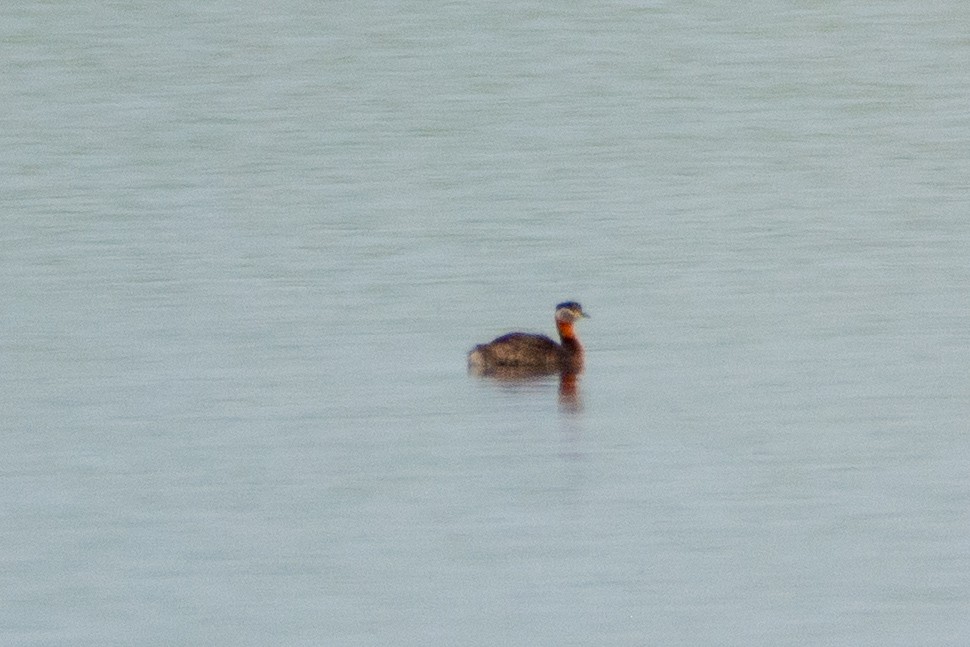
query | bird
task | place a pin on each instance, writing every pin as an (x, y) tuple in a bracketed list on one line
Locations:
[(523, 354)]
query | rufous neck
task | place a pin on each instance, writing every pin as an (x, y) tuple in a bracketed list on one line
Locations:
[(566, 331)]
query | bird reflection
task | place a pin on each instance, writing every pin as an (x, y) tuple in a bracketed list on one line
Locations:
[(513, 377)]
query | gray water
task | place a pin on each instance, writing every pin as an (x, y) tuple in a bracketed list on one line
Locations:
[(246, 246)]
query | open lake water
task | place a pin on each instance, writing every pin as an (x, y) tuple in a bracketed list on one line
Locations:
[(246, 246)]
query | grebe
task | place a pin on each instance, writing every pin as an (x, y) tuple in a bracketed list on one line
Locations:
[(520, 353)]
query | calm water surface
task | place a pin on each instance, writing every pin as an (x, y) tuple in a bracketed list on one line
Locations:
[(246, 247)]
